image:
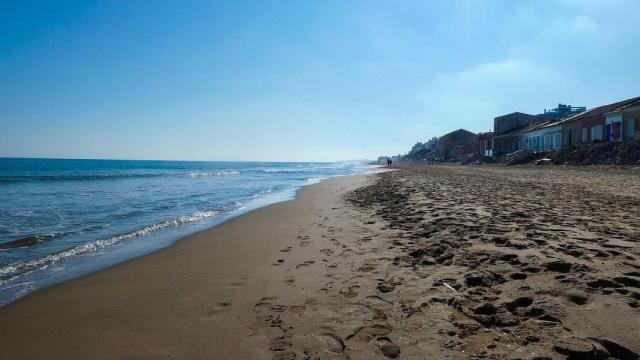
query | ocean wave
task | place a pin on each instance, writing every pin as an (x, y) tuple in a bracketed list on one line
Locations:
[(263, 192), (282, 171), (74, 177), (219, 173), (17, 269), (27, 241)]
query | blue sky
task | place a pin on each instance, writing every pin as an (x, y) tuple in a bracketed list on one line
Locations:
[(295, 80)]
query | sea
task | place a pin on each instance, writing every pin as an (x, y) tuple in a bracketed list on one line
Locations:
[(63, 218)]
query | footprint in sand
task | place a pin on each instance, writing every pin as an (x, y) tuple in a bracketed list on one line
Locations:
[(327, 252), (350, 292), (366, 268), (334, 343), (287, 355), (390, 349), (365, 334), (306, 263), (287, 249), (279, 343), (219, 308), (264, 303)]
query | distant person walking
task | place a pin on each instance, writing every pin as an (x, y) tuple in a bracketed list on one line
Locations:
[(389, 162)]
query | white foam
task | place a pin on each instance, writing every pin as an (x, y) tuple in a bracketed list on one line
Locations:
[(219, 173), (263, 192), (12, 271)]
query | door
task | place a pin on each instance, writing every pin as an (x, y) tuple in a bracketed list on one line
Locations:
[(607, 132)]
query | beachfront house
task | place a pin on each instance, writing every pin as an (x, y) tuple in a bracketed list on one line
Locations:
[(507, 130), (543, 137), (631, 116), (603, 123), (483, 145), (446, 144), (623, 123)]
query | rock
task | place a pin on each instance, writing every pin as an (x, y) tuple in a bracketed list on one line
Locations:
[(579, 349), (577, 297), (390, 350)]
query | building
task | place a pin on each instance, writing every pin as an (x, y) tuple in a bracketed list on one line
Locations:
[(483, 145), (446, 144), (543, 137), (623, 123), (603, 123), (507, 130), (428, 146), (562, 111)]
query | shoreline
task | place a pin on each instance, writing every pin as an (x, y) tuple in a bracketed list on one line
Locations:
[(68, 269), (438, 262), (84, 303)]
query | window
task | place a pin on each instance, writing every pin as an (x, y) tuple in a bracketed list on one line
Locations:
[(596, 132), (630, 127), (585, 134)]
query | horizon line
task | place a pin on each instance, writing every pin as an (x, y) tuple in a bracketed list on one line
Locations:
[(115, 159)]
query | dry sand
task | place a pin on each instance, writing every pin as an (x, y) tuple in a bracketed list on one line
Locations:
[(435, 262)]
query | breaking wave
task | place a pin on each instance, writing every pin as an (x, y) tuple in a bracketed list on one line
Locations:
[(27, 241), (14, 270), (263, 192), (219, 173)]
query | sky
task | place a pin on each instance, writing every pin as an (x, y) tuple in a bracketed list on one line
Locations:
[(296, 80)]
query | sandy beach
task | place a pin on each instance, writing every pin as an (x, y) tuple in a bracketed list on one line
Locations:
[(423, 262)]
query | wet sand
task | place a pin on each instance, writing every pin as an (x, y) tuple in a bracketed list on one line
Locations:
[(435, 262)]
